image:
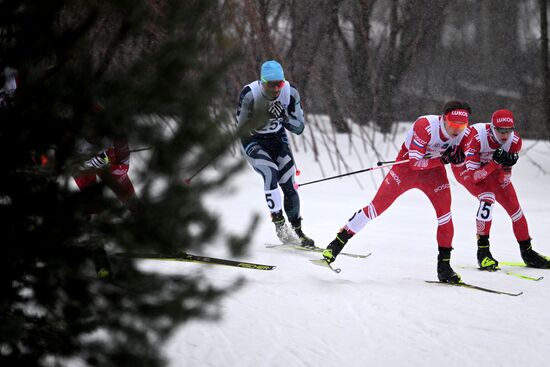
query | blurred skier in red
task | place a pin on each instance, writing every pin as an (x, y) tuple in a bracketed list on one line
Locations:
[(111, 165), (108, 160)]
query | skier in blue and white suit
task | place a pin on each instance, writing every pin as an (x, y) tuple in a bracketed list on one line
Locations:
[(267, 108)]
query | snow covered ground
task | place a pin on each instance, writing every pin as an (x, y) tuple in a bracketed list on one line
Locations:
[(377, 311)]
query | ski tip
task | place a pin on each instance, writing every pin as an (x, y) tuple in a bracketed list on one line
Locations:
[(319, 262), (326, 264)]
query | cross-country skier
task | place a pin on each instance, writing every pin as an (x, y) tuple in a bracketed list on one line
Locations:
[(267, 108), (431, 142), (109, 160), (111, 165), (491, 150)]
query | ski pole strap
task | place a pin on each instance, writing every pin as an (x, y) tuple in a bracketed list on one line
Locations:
[(354, 172)]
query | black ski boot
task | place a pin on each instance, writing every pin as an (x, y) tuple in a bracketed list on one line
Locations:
[(102, 264), (305, 241), (336, 246), (445, 273), (485, 259), (532, 258)]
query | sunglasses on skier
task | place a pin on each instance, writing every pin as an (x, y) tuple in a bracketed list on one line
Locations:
[(274, 83), (457, 125)]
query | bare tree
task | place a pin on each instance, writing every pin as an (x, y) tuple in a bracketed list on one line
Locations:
[(544, 58)]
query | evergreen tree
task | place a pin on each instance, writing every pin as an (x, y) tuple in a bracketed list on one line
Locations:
[(140, 69)]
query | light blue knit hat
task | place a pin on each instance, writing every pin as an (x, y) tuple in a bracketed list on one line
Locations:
[(272, 70)]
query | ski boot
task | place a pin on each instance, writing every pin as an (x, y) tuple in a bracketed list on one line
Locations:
[(284, 233), (305, 241), (102, 264), (336, 246), (485, 259), (532, 258), (445, 273)]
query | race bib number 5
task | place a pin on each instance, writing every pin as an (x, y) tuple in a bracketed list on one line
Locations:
[(273, 126)]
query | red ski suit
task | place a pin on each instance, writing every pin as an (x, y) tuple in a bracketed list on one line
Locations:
[(488, 180), (425, 142), (119, 182)]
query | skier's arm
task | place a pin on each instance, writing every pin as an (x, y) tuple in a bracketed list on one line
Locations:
[(244, 115), (476, 172), (418, 158), (511, 158), (121, 150), (295, 122)]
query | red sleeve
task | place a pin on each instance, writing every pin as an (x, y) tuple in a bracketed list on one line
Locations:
[(472, 147), (517, 144), (419, 145), (122, 151)]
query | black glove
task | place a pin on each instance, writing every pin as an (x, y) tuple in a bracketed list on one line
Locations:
[(500, 156), (453, 155), (446, 156), (458, 156), (511, 159), (276, 110)]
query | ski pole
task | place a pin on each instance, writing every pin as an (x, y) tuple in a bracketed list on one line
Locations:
[(352, 173), (188, 180), (379, 163), (295, 164), (139, 149)]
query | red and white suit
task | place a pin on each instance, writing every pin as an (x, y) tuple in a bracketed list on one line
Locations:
[(425, 142), (118, 180), (488, 180)]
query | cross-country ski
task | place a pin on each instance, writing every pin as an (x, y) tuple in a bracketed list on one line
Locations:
[(184, 257), (472, 286), (500, 270), (289, 246)]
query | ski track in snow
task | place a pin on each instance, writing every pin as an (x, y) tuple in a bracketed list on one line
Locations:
[(378, 311)]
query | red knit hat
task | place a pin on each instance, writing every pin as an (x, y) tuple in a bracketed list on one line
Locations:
[(457, 117), (503, 119)]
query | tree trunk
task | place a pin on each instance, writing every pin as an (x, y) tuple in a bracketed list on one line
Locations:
[(544, 59)]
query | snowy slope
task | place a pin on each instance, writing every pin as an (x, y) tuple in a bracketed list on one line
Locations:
[(377, 311)]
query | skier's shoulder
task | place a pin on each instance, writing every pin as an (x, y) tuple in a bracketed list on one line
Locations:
[(294, 94), (293, 88), (517, 143), (424, 122), (422, 126), (246, 95)]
